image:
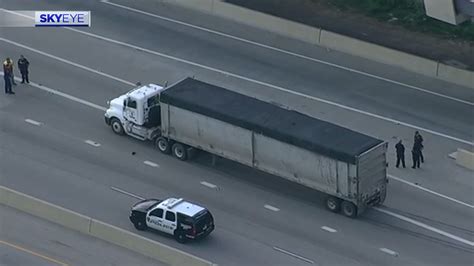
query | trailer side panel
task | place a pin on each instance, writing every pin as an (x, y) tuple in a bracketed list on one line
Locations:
[(296, 164), (211, 135)]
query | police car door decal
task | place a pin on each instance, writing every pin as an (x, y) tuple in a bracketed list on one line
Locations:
[(154, 221)]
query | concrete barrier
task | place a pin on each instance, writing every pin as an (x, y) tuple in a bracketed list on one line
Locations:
[(378, 53), (267, 22), (143, 245), (201, 5), (252, 18), (98, 229), (45, 210), (456, 75), (465, 159), (331, 40)]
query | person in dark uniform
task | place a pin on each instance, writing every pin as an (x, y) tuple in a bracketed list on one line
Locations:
[(415, 152), (7, 76), (400, 154), (23, 65), (419, 140)]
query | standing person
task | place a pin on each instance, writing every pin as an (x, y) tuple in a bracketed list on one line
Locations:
[(415, 152), (23, 65), (419, 140), (12, 74), (7, 70), (400, 154)]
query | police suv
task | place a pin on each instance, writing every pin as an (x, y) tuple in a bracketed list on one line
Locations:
[(177, 217)]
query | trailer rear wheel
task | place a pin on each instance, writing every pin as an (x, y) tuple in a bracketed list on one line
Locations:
[(116, 126), (333, 204), (179, 151), (349, 209), (163, 145)]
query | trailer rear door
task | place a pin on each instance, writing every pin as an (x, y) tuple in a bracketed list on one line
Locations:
[(372, 171)]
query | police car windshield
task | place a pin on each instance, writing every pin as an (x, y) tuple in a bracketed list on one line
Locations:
[(153, 206)]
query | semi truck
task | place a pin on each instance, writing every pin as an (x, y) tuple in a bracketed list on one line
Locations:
[(190, 115)]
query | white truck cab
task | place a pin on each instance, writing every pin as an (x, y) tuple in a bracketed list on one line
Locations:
[(136, 113)]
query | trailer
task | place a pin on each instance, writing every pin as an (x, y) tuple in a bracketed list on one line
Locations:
[(348, 166)]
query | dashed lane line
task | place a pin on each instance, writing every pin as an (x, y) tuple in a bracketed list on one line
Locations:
[(329, 229), (92, 143), (270, 207), (33, 122), (209, 185), (389, 251), (152, 164), (286, 52)]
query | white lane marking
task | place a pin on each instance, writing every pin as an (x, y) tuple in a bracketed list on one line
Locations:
[(246, 79), (270, 207), (389, 251), (293, 255), (329, 229), (209, 185), (65, 95), (431, 191), (33, 122), (425, 226), (68, 62), (92, 143), (287, 52), (152, 164), (127, 193)]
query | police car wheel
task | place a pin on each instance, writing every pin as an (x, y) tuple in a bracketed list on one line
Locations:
[(163, 145), (180, 237), (349, 209), (179, 151), (116, 126), (333, 204), (140, 225)]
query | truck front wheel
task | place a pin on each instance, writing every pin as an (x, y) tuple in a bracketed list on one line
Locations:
[(349, 209), (333, 204), (163, 145), (116, 126), (180, 152)]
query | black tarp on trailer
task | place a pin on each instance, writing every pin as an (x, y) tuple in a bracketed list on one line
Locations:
[(270, 120)]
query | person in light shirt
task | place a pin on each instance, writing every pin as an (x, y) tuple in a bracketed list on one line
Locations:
[(7, 75)]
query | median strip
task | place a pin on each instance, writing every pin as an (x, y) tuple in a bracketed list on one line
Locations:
[(98, 229)]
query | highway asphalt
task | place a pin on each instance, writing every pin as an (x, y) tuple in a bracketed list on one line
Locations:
[(52, 161), (29, 240)]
